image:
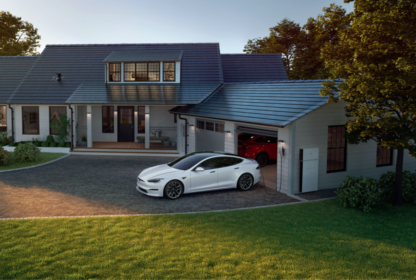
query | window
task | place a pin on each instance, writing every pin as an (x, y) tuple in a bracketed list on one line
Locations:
[(211, 163), (168, 71), (337, 149), (141, 119), (384, 156), (229, 161), (200, 124), (108, 119), (30, 118), (187, 161), (142, 71), (114, 72), (219, 127), (54, 113), (209, 126), (3, 118)]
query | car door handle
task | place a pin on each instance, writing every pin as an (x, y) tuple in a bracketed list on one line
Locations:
[(212, 171), (237, 168)]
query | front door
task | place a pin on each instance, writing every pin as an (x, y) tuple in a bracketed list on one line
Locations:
[(125, 124)]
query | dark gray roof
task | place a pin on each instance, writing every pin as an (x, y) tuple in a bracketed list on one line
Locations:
[(145, 55), (12, 71), (252, 67), (83, 64), (142, 94), (275, 103)]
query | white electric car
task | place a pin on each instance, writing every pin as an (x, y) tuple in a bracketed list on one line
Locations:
[(198, 172)]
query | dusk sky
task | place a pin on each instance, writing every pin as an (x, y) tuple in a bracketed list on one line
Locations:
[(229, 22)]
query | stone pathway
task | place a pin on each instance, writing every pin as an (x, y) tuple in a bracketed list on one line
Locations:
[(105, 185)]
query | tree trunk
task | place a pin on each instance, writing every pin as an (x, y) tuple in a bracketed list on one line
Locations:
[(397, 196)]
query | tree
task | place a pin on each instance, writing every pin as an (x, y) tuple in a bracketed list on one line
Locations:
[(61, 126), (17, 37), (376, 57)]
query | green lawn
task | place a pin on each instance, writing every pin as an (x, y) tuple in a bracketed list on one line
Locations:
[(44, 157), (309, 240)]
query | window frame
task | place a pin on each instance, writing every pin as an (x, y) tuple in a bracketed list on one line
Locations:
[(345, 151), (50, 122), (391, 157), (174, 72), (139, 110), (111, 116), (4, 118), (109, 72), (23, 125), (135, 71), (200, 124)]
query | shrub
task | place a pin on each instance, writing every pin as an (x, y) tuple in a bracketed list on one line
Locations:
[(408, 185), (12, 144), (5, 139), (68, 145), (45, 144), (61, 145), (61, 126), (363, 193), (4, 157), (26, 152), (50, 139), (53, 144), (36, 141)]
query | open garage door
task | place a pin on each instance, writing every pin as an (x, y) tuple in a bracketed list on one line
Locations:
[(261, 145), (209, 135)]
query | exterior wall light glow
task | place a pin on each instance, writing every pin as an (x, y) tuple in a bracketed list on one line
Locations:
[(281, 141), (88, 113), (227, 131), (190, 125)]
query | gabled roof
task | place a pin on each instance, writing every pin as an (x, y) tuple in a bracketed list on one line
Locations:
[(12, 71), (83, 64), (145, 55), (275, 103), (252, 67), (155, 93)]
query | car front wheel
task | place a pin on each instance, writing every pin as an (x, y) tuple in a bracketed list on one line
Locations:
[(173, 189), (245, 182)]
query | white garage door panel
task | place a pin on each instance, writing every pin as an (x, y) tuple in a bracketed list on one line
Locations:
[(207, 140)]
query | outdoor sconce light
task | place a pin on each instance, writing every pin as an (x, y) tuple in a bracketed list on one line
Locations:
[(227, 131), (88, 113), (281, 141), (190, 125)]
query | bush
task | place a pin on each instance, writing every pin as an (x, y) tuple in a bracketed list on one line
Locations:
[(408, 185), (50, 139), (26, 152), (61, 145), (53, 144), (45, 144), (12, 144), (363, 193), (5, 139), (4, 157), (68, 145)]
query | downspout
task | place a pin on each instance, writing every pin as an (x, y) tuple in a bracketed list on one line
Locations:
[(12, 122), (186, 133), (72, 127)]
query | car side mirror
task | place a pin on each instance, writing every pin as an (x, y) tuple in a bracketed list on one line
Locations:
[(199, 169)]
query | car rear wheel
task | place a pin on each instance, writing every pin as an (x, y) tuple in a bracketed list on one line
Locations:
[(173, 189), (245, 182), (262, 159)]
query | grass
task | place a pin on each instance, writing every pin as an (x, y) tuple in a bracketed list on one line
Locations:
[(44, 157), (309, 240)]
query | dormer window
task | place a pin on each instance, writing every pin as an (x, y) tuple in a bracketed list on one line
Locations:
[(142, 71), (114, 72), (168, 71)]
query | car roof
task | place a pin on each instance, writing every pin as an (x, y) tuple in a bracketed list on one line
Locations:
[(208, 154)]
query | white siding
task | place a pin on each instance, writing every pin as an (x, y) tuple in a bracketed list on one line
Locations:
[(229, 146), (312, 132), (159, 116), (191, 134), (97, 134)]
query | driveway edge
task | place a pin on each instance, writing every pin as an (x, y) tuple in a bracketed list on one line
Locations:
[(33, 166)]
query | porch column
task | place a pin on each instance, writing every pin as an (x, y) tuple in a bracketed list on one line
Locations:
[(147, 127), (89, 126)]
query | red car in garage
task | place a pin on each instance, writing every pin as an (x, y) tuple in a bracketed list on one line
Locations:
[(260, 148)]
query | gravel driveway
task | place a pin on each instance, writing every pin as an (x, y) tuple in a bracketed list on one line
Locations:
[(81, 185)]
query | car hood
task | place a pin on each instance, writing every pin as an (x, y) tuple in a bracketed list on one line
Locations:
[(157, 171)]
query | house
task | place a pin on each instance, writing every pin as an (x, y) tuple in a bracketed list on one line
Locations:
[(173, 99)]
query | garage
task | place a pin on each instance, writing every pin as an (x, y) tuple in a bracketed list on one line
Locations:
[(261, 145), (209, 135)]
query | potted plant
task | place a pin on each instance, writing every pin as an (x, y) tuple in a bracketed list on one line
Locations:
[(84, 141)]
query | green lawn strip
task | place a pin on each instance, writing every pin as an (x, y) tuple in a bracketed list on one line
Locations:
[(44, 157), (308, 240)]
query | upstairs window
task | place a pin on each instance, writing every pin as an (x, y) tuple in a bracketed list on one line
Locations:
[(337, 149), (169, 71), (114, 72), (384, 156), (3, 118), (136, 72)]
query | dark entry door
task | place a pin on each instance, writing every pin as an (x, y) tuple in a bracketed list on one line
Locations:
[(125, 124)]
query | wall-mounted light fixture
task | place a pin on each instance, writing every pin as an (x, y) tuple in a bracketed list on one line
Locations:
[(190, 125), (281, 141), (227, 131), (135, 111), (88, 113)]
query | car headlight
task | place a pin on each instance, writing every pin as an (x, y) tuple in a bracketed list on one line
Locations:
[(156, 180)]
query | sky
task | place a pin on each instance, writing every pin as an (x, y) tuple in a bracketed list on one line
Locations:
[(230, 22)]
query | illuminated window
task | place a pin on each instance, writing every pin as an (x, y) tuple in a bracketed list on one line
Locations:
[(3, 118), (168, 71), (136, 72), (114, 74)]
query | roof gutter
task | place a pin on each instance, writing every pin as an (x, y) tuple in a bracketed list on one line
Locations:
[(186, 133), (72, 127)]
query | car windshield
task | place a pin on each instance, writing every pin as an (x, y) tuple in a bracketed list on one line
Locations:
[(187, 161)]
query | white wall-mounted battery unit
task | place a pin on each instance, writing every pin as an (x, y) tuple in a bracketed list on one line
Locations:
[(309, 167)]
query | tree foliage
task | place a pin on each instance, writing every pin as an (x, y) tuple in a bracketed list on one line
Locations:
[(17, 37), (301, 46), (61, 127), (376, 57)]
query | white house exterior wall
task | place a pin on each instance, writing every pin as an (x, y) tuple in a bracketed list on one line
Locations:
[(159, 116), (312, 132)]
